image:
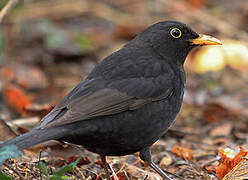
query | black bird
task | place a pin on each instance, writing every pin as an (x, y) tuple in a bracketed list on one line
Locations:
[(128, 101)]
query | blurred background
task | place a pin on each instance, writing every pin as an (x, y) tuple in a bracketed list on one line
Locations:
[(49, 46)]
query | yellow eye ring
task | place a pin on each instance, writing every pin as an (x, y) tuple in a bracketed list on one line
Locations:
[(176, 33)]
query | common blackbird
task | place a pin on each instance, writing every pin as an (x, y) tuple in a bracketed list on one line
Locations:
[(128, 101)]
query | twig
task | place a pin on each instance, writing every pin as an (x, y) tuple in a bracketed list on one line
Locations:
[(113, 172), (7, 8), (14, 170)]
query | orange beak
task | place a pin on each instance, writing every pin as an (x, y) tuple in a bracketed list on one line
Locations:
[(205, 40)]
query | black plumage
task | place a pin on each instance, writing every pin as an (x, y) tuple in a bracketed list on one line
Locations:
[(128, 100)]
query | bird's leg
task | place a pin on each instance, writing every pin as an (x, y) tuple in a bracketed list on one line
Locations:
[(105, 166), (145, 155)]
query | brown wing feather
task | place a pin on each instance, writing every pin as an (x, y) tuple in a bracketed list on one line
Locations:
[(102, 102)]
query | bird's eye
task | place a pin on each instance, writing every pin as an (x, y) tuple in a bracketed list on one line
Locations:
[(176, 33)]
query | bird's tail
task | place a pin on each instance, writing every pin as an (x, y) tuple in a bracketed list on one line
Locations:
[(34, 137)]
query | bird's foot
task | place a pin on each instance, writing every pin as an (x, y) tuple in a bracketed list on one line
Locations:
[(159, 171), (145, 155), (105, 166)]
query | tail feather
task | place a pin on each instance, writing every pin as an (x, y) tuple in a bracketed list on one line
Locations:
[(34, 137)]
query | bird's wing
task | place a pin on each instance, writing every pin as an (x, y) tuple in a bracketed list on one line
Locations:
[(94, 98)]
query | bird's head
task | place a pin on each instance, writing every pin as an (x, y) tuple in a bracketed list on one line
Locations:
[(173, 40)]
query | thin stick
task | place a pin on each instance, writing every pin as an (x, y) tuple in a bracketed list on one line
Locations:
[(113, 172), (14, 170), (7, 8)]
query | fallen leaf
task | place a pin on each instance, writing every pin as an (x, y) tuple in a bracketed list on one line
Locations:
[(7, 74), (6, 131), (198, 3), (16, 98), (30, 77), (38, 110), (165, 161), (215, 112), (240, 171), (220, 141), (124, 31), (73, 158), (222, 130), (182, 152), (139, 173), (229, 160), (212, 168), (22, 123), (120, 175), (55, 150)]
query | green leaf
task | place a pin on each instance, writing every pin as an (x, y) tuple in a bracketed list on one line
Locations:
[(84, 43), (41, 166), (59, 173), (7, 152), (4, 176), (56, 177)]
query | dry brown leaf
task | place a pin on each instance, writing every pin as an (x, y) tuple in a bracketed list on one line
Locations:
[(222, 130), (220, 141), (73, 158), (182, 152), (5, 131), (123, 31), (121, 176), (215, 112), (38, 110), (55, 150), (7, 74), (134, 171), (165, 161), (30, 77)]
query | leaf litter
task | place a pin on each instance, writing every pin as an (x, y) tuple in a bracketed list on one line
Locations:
[(50, 50)]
